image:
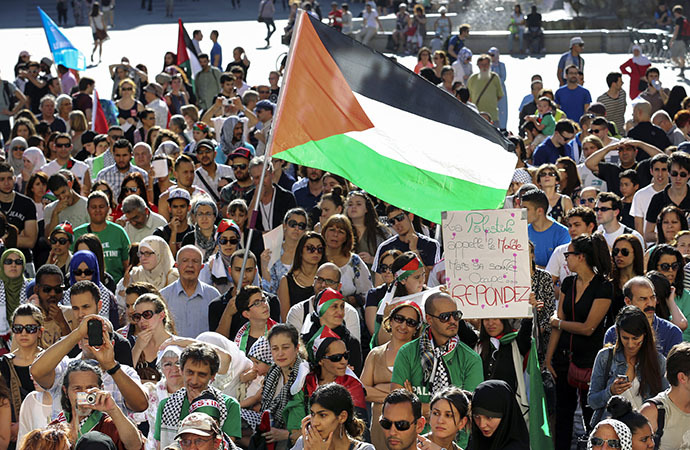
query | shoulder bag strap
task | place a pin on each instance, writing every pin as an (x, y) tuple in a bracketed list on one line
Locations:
[(211, 191), (609, 361), (572, 300), (491, 78), (15, 394)]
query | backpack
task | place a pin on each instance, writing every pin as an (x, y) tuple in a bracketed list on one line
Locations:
[(685, 29), (11, 99)]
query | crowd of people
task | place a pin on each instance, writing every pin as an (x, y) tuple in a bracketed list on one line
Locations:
[(135, 311)]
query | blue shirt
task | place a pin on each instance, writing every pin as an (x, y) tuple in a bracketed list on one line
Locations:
[(547, 152), (573, 101), (190, 312), (305, 198), (546, 241), (216, 50), (667, 335), (567, 59)]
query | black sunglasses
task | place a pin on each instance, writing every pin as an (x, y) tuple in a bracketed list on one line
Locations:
[(584, 201), (666, 266), (395, 219), (337, 357), (31, 329), (312, 249), (622, 251), (402, 319), (295, 224), (61, 241), (136, 317), (401, 425), (383, 268), (131, 189), (80, 272), (238, 166), (602, 208), (445, 317), (231, 241), (675, 173), (57, 289), (566, 254), (598, 442), (10, 261)]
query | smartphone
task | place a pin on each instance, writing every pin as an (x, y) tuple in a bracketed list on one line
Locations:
[(622, 377), (95, 332)]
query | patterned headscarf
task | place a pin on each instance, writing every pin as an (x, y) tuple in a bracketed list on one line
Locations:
[(324, 299), (318, 344), (622, 431), (261, 350), (408, 269)]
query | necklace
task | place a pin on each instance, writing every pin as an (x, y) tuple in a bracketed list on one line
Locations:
[(14, 197)]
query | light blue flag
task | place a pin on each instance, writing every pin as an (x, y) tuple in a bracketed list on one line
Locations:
[(62, 49)]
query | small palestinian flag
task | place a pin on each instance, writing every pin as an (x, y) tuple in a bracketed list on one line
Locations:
[(352, 111), (324, 333), (408, 269), (99, 123), (325, 299), (187, 57)]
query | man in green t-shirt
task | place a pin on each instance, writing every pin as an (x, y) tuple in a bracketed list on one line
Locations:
[(199, 364), (113, 237)]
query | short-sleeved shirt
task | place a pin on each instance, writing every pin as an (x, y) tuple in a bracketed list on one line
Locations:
[(615, 108), (78, 168), (429, 249), (610, 173), (567, 59), (488, 101), (547, 152), (641, 200), (115, 246), (660, 200), (545, 242), (216, 50), (573, 101), (82, 102), (587, 346), (651, 134), (456, 43), (18, 212)]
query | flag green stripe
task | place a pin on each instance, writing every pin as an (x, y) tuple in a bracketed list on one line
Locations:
[(398, 183)]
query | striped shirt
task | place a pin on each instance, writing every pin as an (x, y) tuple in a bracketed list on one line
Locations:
[(615, 108)]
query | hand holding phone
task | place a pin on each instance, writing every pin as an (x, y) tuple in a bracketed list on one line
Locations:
[(95, 332)]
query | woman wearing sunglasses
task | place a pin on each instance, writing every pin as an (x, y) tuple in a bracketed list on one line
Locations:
[(497, 422), (60, 240), (12, 287), (669, 262), (610, 434), (642, 434), (27, 327), (383, 279), (216, 271), (297, 284), (628, 262), (84, 266), (156, 326), (295, 223), (403, 324), (92, 243), (579, 325), (156, 264), (368, 229), (132, 184), (204, 213), (548, 180), (332, 423)]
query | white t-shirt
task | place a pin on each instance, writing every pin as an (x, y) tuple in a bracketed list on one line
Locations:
[(557, 265), (641, 200), (611, 237), (370, 18), (589, 179), (78, 169)]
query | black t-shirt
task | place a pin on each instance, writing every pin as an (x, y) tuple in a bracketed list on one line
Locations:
[(533, 20), (625, 217), (217, 306), (35, 93), (660, 200), (651, 134), (609, 172), (429, 249), (273, 96), (122, 348), (18, 212), (165, 232), (587, 346)]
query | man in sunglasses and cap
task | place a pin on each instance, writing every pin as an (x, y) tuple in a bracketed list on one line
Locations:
[(438, 358)]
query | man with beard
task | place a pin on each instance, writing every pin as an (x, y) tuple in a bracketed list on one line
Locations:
[(242, 187), (184, 174), (308, 196), (49, 289), (114, 174), (233, 135), (210, 173), (19, 210), (485, 88), (63, 159), (573, 98), (639, 291), (274, 202), (402, 420)]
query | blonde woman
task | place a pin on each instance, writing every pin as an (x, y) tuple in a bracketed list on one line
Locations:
[(77, 125), (128, 107)]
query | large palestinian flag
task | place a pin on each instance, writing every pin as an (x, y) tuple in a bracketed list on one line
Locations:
[(352, 111), (187, 58)]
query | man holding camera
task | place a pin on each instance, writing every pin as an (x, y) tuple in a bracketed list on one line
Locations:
[(121, 381), (86, 407)]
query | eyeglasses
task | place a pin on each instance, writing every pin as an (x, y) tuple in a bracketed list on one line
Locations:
[(295, 224), (566, 254), (238, 166), (198, 442), (622, 251), (261, 302), (445, 317), (383, 268), (86, 272), (312, 249), (666, 266), (231, 241), (675, 173), (602, 208), (338, 357), (584, 201), (131, 189), (326, 281), (395, 219), (143, 253), (598, 442), (61, 241), (402, 319), (18, 262), (30, 329), (146, 315), (57, 289), (62, 145), (401, 425), (547, 174)]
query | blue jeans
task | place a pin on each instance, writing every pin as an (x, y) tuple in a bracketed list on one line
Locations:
[(511, 39)]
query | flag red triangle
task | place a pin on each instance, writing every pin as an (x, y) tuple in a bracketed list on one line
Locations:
[(99, 122)]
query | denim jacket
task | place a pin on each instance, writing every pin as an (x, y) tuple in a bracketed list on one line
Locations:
[(600, 384)]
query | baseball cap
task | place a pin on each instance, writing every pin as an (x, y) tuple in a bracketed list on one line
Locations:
[(199, 424), (47, 61), (575, 41), (87, 137), (241, 152), (265, 104), (155, 88), (205, 143), (24, 53), (179, 193), (163, 77)]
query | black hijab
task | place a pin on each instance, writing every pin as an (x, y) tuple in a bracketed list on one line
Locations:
[(495, 398)]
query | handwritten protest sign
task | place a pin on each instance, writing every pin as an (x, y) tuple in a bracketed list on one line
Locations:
[(487, 262)]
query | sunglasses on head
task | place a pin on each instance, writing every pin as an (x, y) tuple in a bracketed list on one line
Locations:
[(666, 266), (622, 251), (383, 268), (231, 241), (295, 224), (402, 319), (57, 289), (338, 357), (10, 261), (30, 329), (445, 317), (61, 241), (599, 442), (312, 249), (400, 425), (238, 166), (80, 272), (395, 219), (136, 317)]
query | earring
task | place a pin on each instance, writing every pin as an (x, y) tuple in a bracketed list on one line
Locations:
[(341, 430)]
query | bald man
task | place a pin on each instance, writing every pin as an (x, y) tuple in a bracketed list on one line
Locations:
[(188, 298), (645, 130)]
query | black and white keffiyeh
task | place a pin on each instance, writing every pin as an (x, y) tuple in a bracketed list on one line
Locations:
[(170, 416), (434, 368), (273, 403)]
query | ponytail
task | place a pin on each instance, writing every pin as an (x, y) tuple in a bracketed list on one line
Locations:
[(596, 252)]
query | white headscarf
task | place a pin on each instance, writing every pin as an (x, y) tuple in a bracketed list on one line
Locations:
[(622, 431), (640, 60), (37, 158), (164, 273), (17, 164), (228, 382)]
